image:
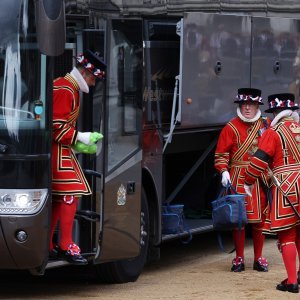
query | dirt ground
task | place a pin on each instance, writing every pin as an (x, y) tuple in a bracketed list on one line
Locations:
[(198, 270), (202, 271)]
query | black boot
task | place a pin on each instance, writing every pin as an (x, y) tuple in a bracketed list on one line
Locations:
[(287, 287)]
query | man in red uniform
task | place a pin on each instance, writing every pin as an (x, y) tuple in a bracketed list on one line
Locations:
[(279, 152), (68, 180), (237, 142)]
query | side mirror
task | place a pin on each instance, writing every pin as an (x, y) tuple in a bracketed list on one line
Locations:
[(51, 26)]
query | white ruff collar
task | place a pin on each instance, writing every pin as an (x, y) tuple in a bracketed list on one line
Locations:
[(80, 80), (256, 117), (285, 113)]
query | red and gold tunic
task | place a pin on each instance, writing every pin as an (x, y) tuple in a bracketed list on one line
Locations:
[(237, 142), (279, 148), (67, 175)]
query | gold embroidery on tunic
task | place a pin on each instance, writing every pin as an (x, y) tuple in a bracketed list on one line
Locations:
[(294, 128), (285, 152)]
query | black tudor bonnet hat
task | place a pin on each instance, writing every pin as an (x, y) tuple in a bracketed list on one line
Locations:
[(93, 63), (249, 95), (284, 101)]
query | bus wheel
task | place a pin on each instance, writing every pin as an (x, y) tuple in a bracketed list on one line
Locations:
[(128, 270)]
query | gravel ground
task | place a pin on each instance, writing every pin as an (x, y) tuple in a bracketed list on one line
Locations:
[(198, 270)]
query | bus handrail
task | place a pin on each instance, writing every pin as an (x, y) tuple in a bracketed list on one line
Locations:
[(174, 120), (16, 109)]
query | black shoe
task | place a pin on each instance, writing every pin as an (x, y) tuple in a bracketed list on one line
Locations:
[(238, 264), (261, 265), (238, 268), (285, 287), (54, 253), (72, 255), (75, 259)]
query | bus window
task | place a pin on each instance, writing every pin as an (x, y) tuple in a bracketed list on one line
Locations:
[(124, 90), (23, 106)]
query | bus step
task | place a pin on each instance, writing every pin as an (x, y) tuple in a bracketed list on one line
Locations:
[(88, 215)]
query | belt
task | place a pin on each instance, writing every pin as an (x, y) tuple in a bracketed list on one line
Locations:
[(239, 163), (286, 169)]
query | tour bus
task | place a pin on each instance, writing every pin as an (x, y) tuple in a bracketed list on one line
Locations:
[(173, 70)]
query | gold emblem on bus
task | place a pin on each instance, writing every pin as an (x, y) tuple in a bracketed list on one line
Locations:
[(121, 195)]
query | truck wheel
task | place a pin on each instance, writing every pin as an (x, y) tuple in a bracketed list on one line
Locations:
[(128, 270)]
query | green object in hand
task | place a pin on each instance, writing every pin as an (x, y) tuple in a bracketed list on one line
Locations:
[(80, 147), (92, 149), (95, 137), (83, 148)]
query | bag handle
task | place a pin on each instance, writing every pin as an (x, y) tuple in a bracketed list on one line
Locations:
[(226, 189), (185, 227), (221, 245)]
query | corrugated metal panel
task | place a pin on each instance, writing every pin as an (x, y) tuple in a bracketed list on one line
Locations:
[(289, 8), (283, 8), (193, 5), (249, 7)]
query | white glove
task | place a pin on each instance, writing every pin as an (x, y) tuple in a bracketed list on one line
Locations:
[(248, 189), (225, 178), (84, 137)]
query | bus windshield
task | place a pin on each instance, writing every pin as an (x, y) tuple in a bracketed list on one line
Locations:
[(22, 81)]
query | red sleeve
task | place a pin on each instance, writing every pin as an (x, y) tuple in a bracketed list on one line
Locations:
[(63, 130), (268, 142), (260, 160), (222, 153), (256, 167)]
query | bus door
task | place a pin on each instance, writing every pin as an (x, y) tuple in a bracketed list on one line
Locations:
[(90, 210), (215, 52), (121, 157)]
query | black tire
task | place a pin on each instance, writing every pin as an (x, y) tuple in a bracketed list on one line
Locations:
[(130, 269)]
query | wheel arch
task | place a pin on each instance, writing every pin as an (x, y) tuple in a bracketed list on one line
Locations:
[(154, 207)]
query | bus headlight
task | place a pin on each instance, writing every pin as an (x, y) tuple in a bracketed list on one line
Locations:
[(21, 201)]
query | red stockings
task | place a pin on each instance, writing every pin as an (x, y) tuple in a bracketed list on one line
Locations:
[(239, 241), (287, 239), (65, 213), (258, 240)]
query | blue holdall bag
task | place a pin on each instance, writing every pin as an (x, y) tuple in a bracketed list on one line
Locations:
[(172, 218), (228, 210), (173, 222)]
